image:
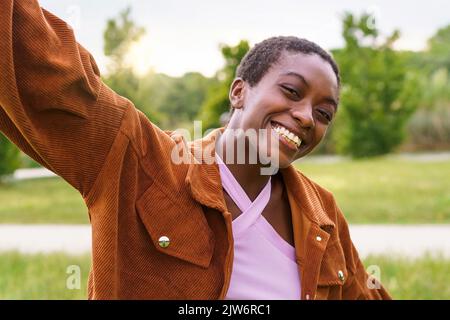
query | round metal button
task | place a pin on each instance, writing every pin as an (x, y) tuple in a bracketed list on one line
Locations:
[(341, 275), (164, 242), (319, 238)]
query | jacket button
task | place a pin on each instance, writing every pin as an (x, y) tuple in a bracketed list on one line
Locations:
[(341, 275), (319, 238), (164, 242)]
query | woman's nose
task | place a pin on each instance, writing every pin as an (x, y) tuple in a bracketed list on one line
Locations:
[(304, 115)]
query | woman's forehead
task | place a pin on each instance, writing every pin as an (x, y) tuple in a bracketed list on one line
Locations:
[(304, 64), (309, 67)]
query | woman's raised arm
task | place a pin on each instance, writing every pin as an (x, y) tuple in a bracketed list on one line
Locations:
[(53, 104)]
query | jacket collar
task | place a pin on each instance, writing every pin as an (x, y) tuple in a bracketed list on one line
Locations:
[(203, 181)]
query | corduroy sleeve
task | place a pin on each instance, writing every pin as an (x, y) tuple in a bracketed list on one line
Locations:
[(53, 105)]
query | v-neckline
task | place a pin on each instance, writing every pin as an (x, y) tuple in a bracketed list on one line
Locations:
[(250, 210)]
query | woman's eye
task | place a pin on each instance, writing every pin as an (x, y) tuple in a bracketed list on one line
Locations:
[(326, 115), (291, 91)]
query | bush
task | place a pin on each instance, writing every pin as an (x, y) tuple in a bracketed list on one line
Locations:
[(378, 95), (429, 129), (9, 156)]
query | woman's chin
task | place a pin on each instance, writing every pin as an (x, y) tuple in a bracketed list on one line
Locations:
[(281, 160), (285, 161)]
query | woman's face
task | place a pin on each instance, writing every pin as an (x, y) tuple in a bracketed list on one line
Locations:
[(299, 93)]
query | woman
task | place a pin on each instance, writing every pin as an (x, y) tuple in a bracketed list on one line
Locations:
[(164, 229)]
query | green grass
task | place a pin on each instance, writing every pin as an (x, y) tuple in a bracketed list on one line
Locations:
[(48, 200), (41, 276), (386, 190), (427, 278), (379, 190), (45, 276)]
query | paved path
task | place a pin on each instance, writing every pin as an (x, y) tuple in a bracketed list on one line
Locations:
[(416, 157), (411, 241), (73, 239), (34, 173)]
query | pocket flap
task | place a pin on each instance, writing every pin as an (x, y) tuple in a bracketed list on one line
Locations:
[(180, 219), (333, 270)]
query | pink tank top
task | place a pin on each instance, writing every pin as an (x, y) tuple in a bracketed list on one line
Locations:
[(264, 266)]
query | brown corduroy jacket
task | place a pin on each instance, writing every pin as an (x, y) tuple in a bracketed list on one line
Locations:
[(54, 106)]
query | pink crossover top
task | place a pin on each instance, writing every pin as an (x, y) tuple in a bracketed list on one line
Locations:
[(264, 266)]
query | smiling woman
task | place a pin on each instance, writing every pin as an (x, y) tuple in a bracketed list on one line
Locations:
[(196, 230), (291, 85)]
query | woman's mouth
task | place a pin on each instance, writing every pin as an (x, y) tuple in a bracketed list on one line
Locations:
[(287, 137)]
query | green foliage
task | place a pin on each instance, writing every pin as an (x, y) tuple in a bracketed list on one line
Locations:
[(167, 101), (216, 104), (9, 156), (378, 94), (436, 89), (217, 100), (429, 127), (435, 57), (183, 98), (119, 35), (28, 162), (439, 49)]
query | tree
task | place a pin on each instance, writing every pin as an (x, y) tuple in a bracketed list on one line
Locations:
[(217, 101), (120, 34), (439, 49), (183, 98), (378, 94)]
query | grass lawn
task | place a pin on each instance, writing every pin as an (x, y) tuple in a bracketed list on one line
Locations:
[(41, 276), (45, 276), (368, 191), (47, 200), (386, 190), (427, 278)]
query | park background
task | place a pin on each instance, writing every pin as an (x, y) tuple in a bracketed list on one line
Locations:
[(386, 156)]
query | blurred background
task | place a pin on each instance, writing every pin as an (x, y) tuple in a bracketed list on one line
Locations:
[(386, 157)]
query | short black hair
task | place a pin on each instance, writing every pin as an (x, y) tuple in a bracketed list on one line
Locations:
[(263, 55)]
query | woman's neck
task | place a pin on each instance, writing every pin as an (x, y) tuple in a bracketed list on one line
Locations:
[(248, 175)]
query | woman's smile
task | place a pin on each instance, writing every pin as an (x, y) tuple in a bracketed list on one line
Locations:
[(286, 136)]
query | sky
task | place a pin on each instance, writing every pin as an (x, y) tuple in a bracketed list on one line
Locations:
[(184, 35)]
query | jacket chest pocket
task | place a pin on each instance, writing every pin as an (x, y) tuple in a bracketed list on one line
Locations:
[(178, 219), (333, 273)]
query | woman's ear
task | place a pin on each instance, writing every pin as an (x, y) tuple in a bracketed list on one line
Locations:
[(237, 93)]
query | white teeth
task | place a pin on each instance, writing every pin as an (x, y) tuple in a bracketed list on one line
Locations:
[(288, 135)]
